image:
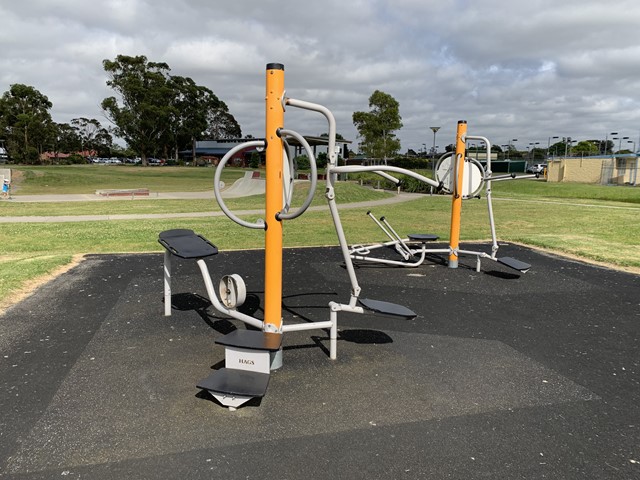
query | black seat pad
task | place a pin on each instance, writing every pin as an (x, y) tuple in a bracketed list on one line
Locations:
[(186, 243)]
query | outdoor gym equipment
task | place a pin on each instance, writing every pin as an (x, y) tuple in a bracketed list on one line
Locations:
[(251, 355), (463, 178)]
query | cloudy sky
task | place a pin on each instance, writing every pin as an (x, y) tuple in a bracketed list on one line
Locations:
[(518, 69)]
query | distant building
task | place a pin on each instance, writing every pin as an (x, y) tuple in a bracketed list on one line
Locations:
[(212, 151), (602, 169)]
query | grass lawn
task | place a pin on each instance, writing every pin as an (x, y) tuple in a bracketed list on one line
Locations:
[(593, 222), (38, 180)]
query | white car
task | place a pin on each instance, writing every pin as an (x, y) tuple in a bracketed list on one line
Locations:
[(537, 168)]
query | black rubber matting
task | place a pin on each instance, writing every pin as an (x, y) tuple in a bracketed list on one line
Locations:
[(500, 375)]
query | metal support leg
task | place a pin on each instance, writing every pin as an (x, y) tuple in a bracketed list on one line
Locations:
[(333, 337), (167, 283)]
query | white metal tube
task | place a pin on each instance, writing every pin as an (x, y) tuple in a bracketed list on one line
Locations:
[(167, 283), (376, 169), (333, 335), (488, 173), (259, 224), (417, 263), (298, 327), (344, 247), (314, 175), (330, 193), (387, 176), (403, 246), (341, 307), (377, 222)]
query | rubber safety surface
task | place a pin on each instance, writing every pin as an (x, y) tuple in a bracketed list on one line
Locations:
[(500, 375)]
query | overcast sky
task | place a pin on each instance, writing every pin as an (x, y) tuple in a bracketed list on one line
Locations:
[(518, 69)]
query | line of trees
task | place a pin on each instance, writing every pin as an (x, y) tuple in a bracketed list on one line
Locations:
[(27, 129), (156, 113)]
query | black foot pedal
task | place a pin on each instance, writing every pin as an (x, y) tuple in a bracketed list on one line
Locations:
[(422, 237), (233, 387), (387, 308), (515, 264)]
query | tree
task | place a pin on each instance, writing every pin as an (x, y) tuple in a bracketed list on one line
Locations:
[(143, 112), (586, 148), (198, 112), (93, 136), (64, 138), (157, 112), (608, 146), (25, 122), (376, 126), (221, 124)]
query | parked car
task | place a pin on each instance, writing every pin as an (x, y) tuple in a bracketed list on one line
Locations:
[(536, 168)]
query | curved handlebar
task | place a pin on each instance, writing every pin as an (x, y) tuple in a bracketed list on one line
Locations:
[(259, 224), (314, 175)]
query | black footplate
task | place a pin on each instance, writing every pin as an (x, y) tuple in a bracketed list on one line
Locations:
[(515, 264), (229, 381), (387, 308)]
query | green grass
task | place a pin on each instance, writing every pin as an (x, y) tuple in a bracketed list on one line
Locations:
[(346, 192), (39, 180), (590, 221), (17, 270), (577, 191)]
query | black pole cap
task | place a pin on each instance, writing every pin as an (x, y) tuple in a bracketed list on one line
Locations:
[(275, 66), (462, 121)]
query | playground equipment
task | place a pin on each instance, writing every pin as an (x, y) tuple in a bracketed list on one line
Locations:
[(250, 356), (463, 178)]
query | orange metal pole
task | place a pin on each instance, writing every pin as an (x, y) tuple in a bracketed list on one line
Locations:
[(273, 227), (456, 203)]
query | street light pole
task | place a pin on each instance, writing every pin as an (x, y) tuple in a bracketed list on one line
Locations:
[(620, 143), (434, 130), (606, 143), (549, 145), (634, 145)]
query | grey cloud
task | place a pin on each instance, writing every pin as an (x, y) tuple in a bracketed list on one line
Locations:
[(526, 70)]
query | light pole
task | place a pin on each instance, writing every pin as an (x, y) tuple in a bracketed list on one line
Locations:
[(620, 143), (533, 148), (549, 145), (606, 142), (511, 143), (434, 130), (634, 145)]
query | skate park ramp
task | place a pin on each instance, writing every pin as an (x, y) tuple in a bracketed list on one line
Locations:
[(250, 184)]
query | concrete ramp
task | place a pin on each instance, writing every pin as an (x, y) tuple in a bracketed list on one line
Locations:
[(250, 184)]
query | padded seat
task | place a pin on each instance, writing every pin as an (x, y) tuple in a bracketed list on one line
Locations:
[(185, 243)]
